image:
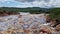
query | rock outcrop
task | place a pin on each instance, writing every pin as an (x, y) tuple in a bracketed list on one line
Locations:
[(26, 24)]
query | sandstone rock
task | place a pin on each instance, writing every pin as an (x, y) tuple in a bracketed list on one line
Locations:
[(27, 24), (58, 27)]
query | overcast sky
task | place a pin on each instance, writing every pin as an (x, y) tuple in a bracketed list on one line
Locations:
[(30, 3)]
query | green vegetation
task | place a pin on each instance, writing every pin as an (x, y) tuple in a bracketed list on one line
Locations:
[(31, 10), (54, 12)]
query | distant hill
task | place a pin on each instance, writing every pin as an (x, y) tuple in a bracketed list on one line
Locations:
[(29, 9)]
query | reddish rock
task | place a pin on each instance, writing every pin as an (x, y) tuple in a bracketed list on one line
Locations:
[(58, 27)]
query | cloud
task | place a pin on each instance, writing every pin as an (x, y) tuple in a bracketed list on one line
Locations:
[(57, 3), (30, 3), (25, 0), (6, 0), (32, 0), (38, 3)]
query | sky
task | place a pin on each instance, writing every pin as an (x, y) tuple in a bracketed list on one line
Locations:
[(30, 3)]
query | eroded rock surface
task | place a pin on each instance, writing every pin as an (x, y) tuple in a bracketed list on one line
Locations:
[(25, 24)]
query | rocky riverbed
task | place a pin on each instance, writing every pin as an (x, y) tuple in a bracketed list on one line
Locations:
[(26, 24)]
